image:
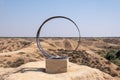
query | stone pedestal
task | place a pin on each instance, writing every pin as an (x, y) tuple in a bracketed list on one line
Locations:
[(56, 65)]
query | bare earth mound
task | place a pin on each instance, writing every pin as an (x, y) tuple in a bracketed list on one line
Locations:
[(36, 71), (12, 44)]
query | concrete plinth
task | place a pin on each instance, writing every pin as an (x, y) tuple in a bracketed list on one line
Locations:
[(56, 65)]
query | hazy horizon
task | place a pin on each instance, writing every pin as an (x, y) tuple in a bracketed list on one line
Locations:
[(95, 18)]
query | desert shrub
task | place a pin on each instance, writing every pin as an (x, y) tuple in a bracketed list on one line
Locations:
[(114, 57), (118, 54), (101, 53), (108, 62), (17, 63), (118, 68), (116, 61), (111, 55)]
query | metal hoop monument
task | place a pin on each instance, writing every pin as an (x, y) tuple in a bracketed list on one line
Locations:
[(55, 64)]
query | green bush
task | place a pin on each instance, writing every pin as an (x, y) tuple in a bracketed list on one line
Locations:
[(118, 54), (111, 55), (114, 57)]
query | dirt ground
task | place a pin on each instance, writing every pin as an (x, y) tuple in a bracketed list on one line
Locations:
[(15, 52)]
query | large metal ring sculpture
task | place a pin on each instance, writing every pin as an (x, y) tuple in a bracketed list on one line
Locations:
[(45, 53)]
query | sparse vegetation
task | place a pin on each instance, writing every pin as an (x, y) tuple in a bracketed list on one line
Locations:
[(106, 48), (84, 58), (16, 63), (111, 55), (114, 57), (101, 53)]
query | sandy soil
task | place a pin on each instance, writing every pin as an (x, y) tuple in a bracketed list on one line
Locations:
[(36, 71), (15, 52)]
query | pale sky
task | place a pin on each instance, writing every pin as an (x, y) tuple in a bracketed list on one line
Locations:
[(95, 18)]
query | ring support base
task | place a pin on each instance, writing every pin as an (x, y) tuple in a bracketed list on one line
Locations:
[(54, 65)]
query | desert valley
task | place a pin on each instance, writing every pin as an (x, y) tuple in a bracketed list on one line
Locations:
[(101, 54)]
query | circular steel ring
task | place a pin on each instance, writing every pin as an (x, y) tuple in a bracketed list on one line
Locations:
[(46, 54)]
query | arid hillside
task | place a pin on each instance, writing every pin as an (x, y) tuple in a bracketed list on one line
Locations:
[(15, 52)]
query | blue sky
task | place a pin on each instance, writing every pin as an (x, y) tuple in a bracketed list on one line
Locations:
[(95, 18)]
